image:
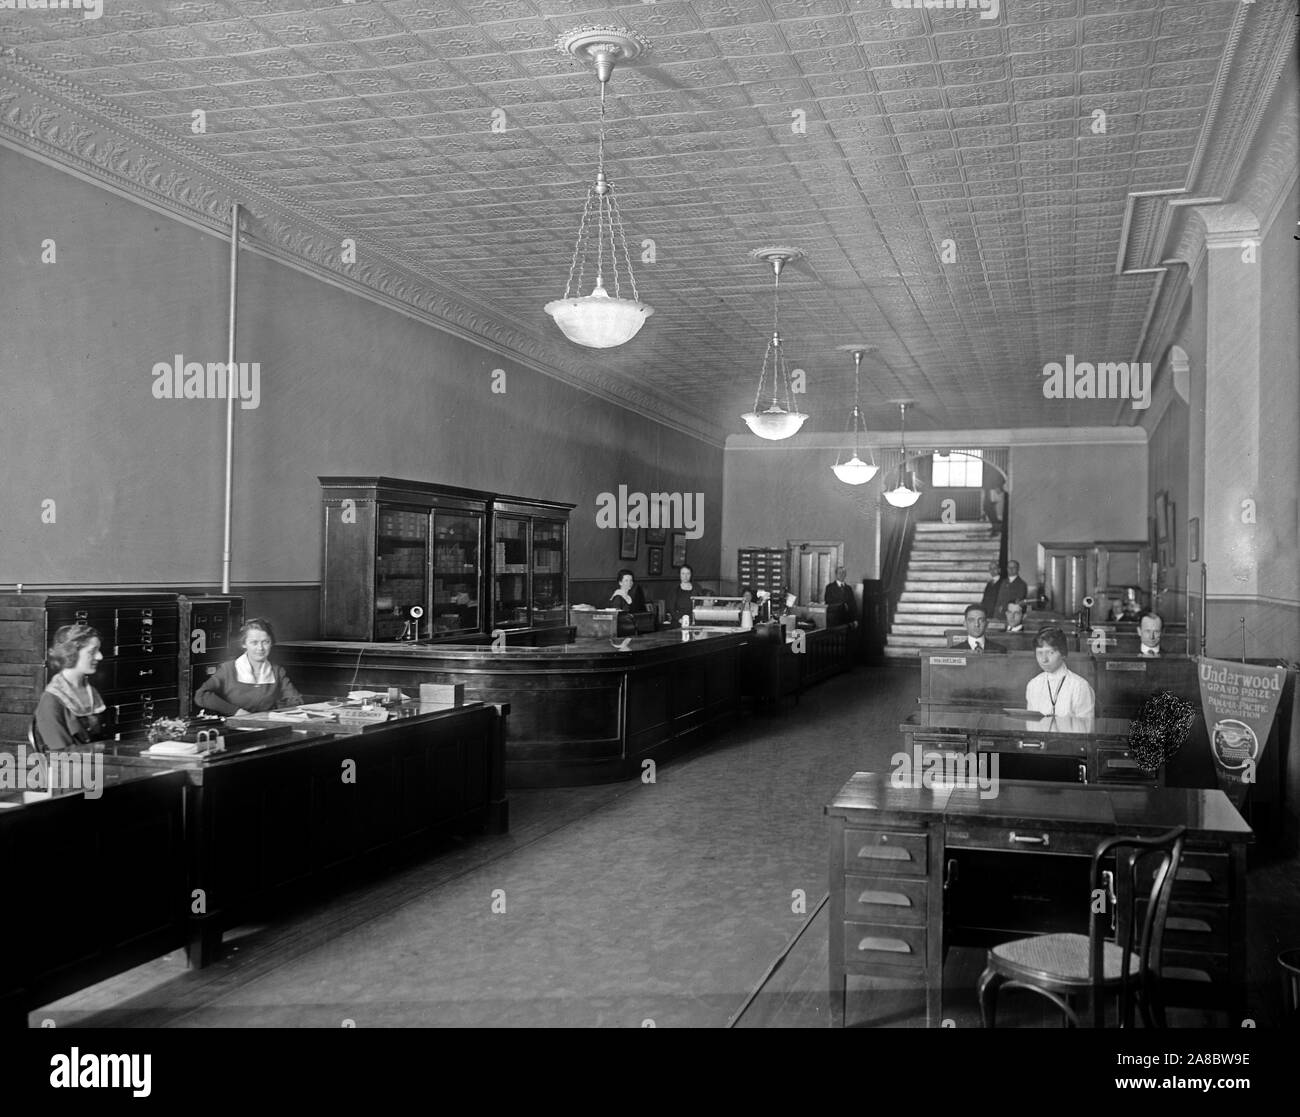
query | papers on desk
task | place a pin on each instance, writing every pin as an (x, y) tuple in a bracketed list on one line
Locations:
[(176, 748), (367, 695), (319, 712)]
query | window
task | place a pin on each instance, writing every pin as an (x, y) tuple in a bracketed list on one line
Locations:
[(957, 470)]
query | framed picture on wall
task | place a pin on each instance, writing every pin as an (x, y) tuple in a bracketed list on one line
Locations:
[(654, 559), (679, 548), (627, 543), (656, 536)]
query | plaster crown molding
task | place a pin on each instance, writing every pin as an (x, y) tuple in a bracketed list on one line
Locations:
[(46, 116)]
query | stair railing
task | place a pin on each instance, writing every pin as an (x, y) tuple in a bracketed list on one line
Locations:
[(896, 552)]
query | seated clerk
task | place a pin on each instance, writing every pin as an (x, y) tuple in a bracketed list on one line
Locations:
[(627, 597), (1011, 588), (68, 713), (1149, 629), (841, 605), (251, 684), (1015, 616), (1058, 691), (976, 624), (989, 602)]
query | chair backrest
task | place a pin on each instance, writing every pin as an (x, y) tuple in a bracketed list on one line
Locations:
[(1140, 928)]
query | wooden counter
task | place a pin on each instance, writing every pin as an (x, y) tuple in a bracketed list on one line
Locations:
[(580, 713)]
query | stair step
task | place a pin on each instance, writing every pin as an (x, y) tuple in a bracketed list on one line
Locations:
[(964, 566), (930, 580), (955, 546), (937, 596), (945, 608), (937, 527)]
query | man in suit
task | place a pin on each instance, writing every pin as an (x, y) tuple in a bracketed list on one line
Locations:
[(1015, 614), (990, 600), (1149, 629), (1011, 588), (976, 622), (841, 605)]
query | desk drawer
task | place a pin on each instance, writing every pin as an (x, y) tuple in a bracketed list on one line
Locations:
[(885, 944), (1115, 765), (1201, 877), (1194, 966), (885, 897), (1029, 838), (1199, 927), (935, 739), (1032, 745), (890, 852)]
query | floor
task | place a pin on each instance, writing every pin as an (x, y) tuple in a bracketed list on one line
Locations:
[(693, 901)]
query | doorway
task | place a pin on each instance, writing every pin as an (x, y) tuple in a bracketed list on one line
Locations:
[(812, 567)]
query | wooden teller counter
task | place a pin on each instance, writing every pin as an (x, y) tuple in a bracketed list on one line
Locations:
[(581, 712)]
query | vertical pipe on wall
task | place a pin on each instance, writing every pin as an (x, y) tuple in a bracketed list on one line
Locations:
[(231, 379)]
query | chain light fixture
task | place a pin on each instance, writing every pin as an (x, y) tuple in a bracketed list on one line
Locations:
[(901, 496), (780, 419), (855, 471), (600, 320)]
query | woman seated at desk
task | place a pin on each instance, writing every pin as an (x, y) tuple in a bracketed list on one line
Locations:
[(68, 714), (251, 684), (628, 597), (1058, 691), (679, 603)]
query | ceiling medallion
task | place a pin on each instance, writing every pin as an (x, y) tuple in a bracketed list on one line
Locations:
[(600, 320), (780, 419)]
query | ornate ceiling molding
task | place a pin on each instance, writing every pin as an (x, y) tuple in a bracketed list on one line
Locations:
[(44, 115)]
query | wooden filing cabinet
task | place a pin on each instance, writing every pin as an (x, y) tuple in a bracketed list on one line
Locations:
[(139, 639), (886, 910)]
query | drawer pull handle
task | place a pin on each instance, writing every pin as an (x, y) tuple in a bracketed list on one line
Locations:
[(1030, 839), (1199, 876), (1083, 773), (893, 899), (889, 946), (890, 853), (1187, 923), (1030, 744)]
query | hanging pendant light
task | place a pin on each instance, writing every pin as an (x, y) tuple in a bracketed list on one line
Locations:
[(600, 320), (902, 496), (855, 471), (779, 419)]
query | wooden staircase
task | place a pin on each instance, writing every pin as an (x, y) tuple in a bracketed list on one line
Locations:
[(946, 572)]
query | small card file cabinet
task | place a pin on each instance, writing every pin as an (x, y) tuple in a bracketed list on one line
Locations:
[(761, 568)]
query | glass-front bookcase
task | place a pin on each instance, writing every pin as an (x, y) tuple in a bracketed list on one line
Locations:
[(530, 567), (410, 560)]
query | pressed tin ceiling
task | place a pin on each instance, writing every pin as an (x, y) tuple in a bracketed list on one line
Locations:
[(944, 173)]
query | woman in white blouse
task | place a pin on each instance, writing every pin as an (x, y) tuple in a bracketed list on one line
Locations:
[(1058, 691)]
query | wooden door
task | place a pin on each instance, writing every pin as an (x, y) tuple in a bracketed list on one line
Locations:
[(812, 566)]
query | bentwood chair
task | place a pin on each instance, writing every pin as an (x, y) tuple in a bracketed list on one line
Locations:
[(1064, 967)]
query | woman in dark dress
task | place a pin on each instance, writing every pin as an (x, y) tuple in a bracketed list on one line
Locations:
[(68, 713), (627, 598), (679, 603), (251, 684)]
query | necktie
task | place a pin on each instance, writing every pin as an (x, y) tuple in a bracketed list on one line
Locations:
[(977, 648)]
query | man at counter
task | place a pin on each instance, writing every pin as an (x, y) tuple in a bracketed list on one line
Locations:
[(976, 623), (1149, 629), (989, 602), (841, 605)]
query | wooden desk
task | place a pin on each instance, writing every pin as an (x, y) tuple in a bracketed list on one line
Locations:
[(97, 886), (772, 670), (1058, 749), (300, 809), (915, 870)]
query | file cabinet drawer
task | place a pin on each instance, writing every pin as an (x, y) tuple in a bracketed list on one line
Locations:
[(885, 944), (894, 899), (891, 852)]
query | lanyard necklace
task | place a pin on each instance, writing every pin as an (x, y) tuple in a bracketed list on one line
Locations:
[(1057, 695)]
